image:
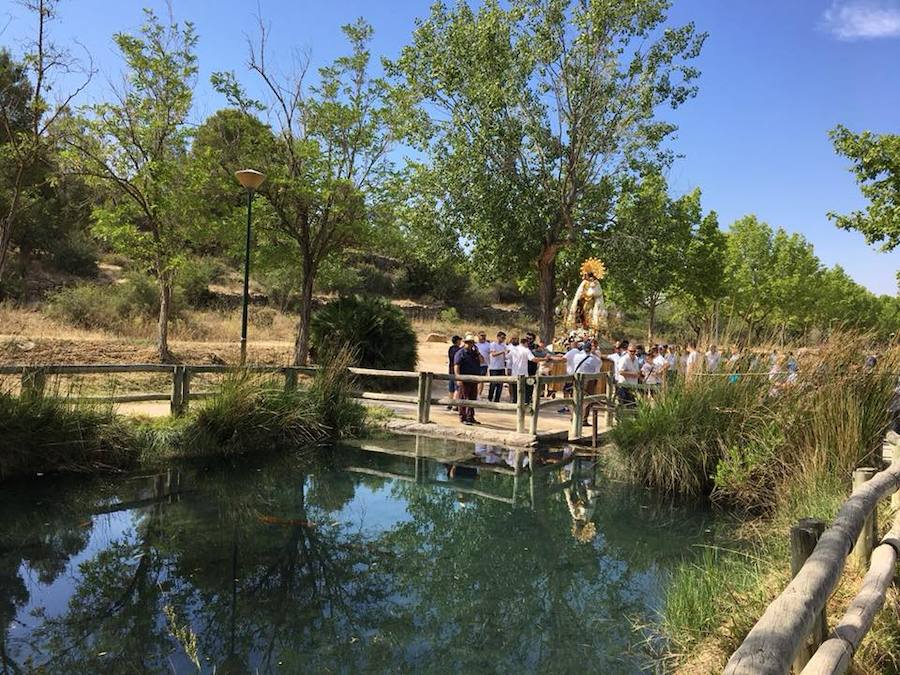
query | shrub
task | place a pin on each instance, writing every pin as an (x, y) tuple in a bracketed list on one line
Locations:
[(109, 307), (449, 315), (194, 281), (262, 317), (76, 254), (379, 334)]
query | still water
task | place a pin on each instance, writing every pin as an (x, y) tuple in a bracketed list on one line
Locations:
[(405, 556)]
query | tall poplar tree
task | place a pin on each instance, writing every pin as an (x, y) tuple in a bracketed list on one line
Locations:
[(530, 111)]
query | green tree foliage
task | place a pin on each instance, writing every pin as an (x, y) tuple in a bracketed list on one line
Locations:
[(530, 111), (647, 250), (378, 333), (702, 284), (29, 123), (135, 149), (326, 161), (876, 166)]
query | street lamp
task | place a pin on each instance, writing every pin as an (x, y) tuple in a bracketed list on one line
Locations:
[(250, 180)]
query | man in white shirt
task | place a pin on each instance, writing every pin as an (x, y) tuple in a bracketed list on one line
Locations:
[(484, 349), (616, 356), (629, 370), (497, 365), (653, 368), (693, 361), (518, 357), (588, 363)]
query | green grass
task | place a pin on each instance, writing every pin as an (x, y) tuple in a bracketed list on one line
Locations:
[(250, 413)]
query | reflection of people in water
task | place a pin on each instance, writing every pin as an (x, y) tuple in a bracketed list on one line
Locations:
[(581, 498), (489, 454), (461, 471)]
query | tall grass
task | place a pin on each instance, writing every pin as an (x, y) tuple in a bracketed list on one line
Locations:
[(743, 439), (52, 434)]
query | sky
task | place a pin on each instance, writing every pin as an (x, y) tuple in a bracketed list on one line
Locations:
[(776, 77)]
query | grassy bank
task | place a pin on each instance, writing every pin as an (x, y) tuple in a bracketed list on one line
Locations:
[(771, 453), (249, 413)]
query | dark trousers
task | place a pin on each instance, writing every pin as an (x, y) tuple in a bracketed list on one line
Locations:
[(496, 388), (626, 396), (467, 391)]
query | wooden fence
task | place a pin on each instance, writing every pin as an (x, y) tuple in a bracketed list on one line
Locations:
[(588, 391), (792, 634)]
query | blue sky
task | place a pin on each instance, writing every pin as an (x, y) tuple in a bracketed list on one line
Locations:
[(776, 77)]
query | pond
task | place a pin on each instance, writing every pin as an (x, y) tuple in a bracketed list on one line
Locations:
[(402, 555)]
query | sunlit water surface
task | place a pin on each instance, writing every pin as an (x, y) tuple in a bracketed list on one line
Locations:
[(342, 560)]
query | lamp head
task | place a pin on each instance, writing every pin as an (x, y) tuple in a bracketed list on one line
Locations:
[(250, 178)]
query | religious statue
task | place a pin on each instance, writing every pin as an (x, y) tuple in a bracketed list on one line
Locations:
[(588, 311)]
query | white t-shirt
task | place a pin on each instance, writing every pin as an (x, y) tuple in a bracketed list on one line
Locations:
[(484, 348), (571, 355), (712, 360), (652, 370), (628, 364), (672, 360), (615, 357), (587, 363), (497, 362), (692, 362), (518, 358)]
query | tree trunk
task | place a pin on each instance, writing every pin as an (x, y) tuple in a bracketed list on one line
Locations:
[(165, 308), (301, 344), (547, 291), (651, 324)]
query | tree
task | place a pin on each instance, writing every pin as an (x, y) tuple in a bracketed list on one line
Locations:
[(327, 161), (135, 148), (647, 253), (876, 166), (529, 114), (702, 284), (29, 119)]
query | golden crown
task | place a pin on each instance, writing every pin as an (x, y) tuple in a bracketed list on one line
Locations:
[(593, 266)]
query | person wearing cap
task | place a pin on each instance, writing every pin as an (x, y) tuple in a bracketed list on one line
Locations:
[(467, 362)]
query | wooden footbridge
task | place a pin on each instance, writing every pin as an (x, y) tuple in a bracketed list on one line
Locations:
[(591, 394)]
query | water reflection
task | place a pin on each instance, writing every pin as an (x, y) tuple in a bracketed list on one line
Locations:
[(343, 561)]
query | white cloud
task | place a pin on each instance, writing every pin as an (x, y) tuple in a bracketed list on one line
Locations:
[(862, 19)]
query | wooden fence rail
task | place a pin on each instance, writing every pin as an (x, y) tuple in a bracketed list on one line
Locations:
[(587, 389), (774, 643)]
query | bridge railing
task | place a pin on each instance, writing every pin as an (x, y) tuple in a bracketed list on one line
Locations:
[(793, 634), (587, 391)]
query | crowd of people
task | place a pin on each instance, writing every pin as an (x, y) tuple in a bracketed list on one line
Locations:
[(630, 364)]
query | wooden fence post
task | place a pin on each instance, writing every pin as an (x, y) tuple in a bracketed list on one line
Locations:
[(429, 383), (611, 399), (186, 389), (862, 550), (522, 382), (290, 379), (804, 537), (420, 396), (33, 382), (594, 427), (535, 404), (577, 407), (177, 390)]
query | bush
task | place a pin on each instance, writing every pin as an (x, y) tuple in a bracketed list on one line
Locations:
[(194, 281), (77, 254), (449, 315), (262, 317), (378, 334), (109, 307)]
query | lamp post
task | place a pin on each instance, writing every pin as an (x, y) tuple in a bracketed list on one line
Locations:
[(249, 180)]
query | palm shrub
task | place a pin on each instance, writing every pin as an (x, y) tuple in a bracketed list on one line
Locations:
[(378, 334)]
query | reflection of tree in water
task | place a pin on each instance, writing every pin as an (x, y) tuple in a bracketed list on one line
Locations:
[(253, 574), (510, 590)]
